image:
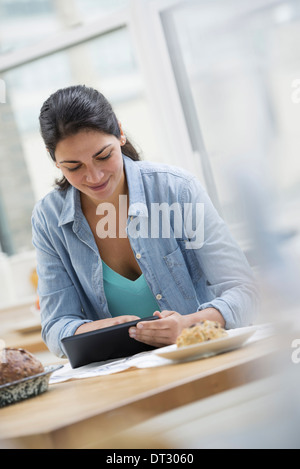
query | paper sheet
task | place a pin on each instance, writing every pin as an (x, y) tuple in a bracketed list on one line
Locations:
[(141, 360)]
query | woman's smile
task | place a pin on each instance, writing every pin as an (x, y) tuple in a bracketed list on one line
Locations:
[(99, 187)]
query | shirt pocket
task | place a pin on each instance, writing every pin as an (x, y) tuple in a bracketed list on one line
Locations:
[(178, 269), (191, 261)]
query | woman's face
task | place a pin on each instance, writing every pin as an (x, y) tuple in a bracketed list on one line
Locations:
[(92, 162)]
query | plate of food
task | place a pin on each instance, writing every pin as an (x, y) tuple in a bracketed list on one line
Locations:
[(205, 339), (22, 376)]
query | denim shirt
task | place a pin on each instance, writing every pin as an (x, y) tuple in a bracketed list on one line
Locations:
[(183, 277)]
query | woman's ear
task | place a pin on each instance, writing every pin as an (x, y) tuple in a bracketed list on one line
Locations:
[(122, 135)]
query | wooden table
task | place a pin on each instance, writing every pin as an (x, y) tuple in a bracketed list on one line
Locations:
[(88, 413)]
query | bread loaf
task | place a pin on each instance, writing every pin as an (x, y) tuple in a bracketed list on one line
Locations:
[(16, 364)]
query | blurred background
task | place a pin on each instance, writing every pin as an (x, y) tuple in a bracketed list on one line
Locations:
[(212, 86)]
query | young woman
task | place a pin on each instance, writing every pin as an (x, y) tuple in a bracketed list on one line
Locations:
[(120, 239)]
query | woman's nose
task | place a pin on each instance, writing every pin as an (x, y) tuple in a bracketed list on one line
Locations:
[(94, 176)]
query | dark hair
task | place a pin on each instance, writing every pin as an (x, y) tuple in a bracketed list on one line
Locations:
[(73, 109)]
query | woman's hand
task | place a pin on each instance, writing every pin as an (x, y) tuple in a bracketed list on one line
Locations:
[(170, 325), (161, 332), (101, 323)]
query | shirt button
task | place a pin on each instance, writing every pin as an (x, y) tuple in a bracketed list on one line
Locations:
[(138, 255), (158, 297)]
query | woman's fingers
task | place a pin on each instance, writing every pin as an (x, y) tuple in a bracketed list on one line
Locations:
[(158, 333), (157, 339)]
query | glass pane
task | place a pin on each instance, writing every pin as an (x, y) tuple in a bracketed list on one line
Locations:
[(92, 9), (242, 71), (15, 186), (106, 63), (24, 22)]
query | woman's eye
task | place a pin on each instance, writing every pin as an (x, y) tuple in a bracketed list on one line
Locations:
[(104, 157), (73, 169)]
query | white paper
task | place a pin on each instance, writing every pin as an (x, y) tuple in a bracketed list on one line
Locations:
[(141, 360)]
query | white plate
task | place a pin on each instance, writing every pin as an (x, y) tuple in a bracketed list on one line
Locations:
[(236, 338)]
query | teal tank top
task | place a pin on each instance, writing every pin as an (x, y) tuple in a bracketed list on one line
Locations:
[(126, 296)]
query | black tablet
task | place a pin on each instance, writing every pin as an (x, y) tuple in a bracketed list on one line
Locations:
[(103, 344)]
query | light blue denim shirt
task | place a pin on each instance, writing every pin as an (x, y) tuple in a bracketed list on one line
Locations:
[(183, 277)]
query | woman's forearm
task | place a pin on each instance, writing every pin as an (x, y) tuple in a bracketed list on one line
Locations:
[(211, 314)]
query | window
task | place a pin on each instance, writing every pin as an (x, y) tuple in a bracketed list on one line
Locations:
[(238, 73), (24, 22), (107, 63)]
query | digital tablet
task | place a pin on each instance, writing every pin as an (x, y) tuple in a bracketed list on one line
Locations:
[(103, 344)]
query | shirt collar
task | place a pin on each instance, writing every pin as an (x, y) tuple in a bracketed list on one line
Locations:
[(137, 200), (71, 206)]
